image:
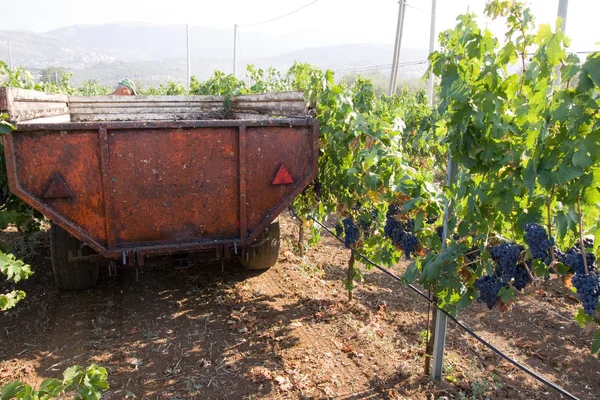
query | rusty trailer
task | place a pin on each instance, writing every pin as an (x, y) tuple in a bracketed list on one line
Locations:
[(129, 177)]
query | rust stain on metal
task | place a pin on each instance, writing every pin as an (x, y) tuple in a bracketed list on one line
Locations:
[(75, 157), (242, 174), (265, 150), (108, 206), (58, 189), (159, 188), (176, 185)]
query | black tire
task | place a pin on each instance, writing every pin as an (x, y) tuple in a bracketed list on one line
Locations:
[(266, 254), (72, 275)]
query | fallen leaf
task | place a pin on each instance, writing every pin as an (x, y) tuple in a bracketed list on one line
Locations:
[(133, 331), (523, 344), (259, 374), (284, 383), (347, 349)]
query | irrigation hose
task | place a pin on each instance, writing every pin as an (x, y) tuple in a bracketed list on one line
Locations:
[(456, 321)]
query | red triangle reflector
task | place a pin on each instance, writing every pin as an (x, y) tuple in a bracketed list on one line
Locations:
[(58, 189), (282, 177)]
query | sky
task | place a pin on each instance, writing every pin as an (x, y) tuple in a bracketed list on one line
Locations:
[(325, 22)]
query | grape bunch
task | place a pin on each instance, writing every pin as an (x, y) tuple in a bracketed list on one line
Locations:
[(393, 209), (408, 243), (409, 226), (401, 234), (573, 259), (588, 290), (588, 243), (522, 278), (391, 227), (506, 256), (351, 232), (488, 287), (538, 241)]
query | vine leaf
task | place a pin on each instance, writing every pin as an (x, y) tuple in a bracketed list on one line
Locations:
[(596, 345), (582, 318), (11, 390)]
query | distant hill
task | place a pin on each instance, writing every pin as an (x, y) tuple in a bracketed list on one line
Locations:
[(35, 51), (156, 53), (142, 42)]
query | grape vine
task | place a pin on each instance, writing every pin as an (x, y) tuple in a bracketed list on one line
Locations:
[(526, 142)]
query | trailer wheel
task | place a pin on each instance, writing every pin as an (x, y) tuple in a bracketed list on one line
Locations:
[(71, 275), (267, 252)]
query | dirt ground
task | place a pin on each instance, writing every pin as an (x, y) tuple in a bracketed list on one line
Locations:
[(288, 333)]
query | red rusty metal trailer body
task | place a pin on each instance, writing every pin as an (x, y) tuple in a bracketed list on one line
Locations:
[(147, 175)]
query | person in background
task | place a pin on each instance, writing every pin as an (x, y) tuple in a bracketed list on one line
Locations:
[(125, 88)]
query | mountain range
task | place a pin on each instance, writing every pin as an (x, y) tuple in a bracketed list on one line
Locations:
[(154, 54)]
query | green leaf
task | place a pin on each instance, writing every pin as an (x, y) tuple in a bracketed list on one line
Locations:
[(12, 390), (507, 294), (539, 268), (411, 272), (592, 68), (568, 173), (14, 269), (6, 127), (582, 157), (10, 299), (419, 221), (596, 344), (582, 318), (72, 376), (372, 180), (561, 268), (411, 204), (87, 393), (51, 387)]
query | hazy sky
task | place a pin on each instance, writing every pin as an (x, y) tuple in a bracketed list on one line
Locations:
[(325, 22)]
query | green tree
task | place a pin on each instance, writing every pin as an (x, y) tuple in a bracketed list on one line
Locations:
[(53, 74)]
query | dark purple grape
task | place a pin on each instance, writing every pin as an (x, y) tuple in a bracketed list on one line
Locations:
[(393, 209), (401, 234), (351, 232), (408, 243), (391, 226), (506, 256), (574, 260), (538, 241), (588, 291), (522, 278), (488, 287)]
